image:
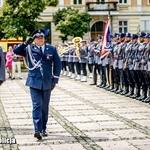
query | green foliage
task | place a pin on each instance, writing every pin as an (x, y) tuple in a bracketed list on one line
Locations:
[(51, 2), (71, 23), (18, 17)]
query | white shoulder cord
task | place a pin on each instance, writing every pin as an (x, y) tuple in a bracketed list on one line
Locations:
[(34, 63)]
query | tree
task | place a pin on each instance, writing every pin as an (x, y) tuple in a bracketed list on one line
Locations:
[(18, 17), (71, 23)]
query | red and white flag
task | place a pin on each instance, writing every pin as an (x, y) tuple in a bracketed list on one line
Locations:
[(106, 45)]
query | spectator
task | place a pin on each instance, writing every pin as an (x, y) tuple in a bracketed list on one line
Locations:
[(9, 61), (16, 63)]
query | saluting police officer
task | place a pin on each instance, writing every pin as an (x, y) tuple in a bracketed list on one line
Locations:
[(44, 71)]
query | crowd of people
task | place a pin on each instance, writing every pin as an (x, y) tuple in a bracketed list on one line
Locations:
[(124, 69)]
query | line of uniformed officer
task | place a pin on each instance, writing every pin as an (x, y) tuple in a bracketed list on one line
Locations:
[(130, 61), (125, 70)]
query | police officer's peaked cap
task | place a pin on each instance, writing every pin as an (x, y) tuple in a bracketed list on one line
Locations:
[(91, 39), (118, 36), (142, 34), (147, 35), (111, 36), (100, 37), (128, 34), (83, 41), (70, 43), (115, 34), (38, 33), (122, 35), (134, 36)]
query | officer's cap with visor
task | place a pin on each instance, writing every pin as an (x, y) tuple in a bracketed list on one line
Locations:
[(91, 40), (122, 35), (83, 41), (142, 34), (38, 33), (147, 35), (134, 36), (100, 37), (128, 35)]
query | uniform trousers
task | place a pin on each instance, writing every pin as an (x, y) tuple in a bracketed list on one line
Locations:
[(144, 78), (64, 65), (40, 104), (83, 66), (116, 75), (135, 79), (129, 78), (78, 68), (72, 67), (69, 66), (90, 67)]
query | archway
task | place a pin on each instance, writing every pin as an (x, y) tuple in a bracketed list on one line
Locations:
[(97, 29)]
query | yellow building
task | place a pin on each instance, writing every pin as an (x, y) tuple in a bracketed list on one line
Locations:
[(130, 16)]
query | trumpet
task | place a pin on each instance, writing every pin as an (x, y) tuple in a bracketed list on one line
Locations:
[(77, 41)]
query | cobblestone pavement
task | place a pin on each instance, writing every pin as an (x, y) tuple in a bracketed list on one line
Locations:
[(81, 118)]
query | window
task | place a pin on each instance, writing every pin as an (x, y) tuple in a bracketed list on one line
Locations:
[(123, 1), (123, 26), (77, 1), (144, 25)]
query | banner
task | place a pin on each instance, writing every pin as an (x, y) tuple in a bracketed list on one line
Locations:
[(106, 40)]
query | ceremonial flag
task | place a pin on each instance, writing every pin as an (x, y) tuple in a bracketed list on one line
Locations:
[(106, 45)]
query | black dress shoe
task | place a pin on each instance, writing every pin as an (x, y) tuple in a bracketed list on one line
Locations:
[(38, 135), (44, 133)]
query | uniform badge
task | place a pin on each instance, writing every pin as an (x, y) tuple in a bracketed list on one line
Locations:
[(48, 56)]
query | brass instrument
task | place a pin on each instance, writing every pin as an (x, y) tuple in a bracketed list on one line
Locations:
[(77, 41)]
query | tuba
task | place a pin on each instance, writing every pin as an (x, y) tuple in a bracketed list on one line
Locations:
[(77, 41)]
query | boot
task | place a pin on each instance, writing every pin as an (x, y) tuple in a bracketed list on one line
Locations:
[(137, 93), (72, 76), (126, 90), (143, 96), (103, 85), (78, 77), (147, 100), (106, 87), (110, 88), (116, 88), (94, 80), (119, 90), (130, 93), (84, 79), (100, 84)]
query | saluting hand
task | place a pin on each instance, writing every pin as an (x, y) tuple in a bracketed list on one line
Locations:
[(30, 40)]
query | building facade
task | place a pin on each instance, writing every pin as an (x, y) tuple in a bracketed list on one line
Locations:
[(130, 16)]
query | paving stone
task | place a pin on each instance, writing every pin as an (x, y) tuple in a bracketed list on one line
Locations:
[(81, 117), (116, 145), (68, 147)]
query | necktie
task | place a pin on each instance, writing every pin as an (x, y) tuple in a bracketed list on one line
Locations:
[(41, 50)]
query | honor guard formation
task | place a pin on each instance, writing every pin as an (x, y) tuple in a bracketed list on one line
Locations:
[(124, 70)]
